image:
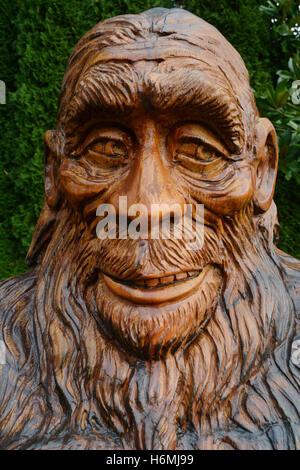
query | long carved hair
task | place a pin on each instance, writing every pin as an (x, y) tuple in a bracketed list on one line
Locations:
[(67, 376)]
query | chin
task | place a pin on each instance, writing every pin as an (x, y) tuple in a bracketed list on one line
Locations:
[(153, 316)]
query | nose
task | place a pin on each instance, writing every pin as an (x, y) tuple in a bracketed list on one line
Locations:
[(149, 181)]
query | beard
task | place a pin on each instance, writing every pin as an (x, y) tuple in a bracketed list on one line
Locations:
[(153, 379), (144, 331)]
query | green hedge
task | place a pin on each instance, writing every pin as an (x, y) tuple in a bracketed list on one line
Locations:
[(36, 38)]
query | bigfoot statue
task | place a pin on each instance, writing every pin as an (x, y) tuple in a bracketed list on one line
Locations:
[(143, 343)]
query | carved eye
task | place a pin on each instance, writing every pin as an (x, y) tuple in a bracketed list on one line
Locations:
[(114, 149), (107, 153), (197, 151)]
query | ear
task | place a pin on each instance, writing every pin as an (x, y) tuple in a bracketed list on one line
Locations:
[(47, 220), (51, 169), (266, 161)]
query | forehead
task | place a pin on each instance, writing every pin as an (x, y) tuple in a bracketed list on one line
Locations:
[(156, 35), (163, 55), (153, 49)]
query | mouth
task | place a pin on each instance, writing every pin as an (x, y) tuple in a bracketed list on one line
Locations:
[(156, 290)]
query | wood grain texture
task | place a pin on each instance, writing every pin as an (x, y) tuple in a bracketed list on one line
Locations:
[(142, 343)]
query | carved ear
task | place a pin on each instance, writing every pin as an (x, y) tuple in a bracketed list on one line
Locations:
[(50, 169), (266, 164), (46, 223)]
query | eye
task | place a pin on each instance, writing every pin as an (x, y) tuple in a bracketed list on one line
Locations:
[(196, 150), (107, 153)]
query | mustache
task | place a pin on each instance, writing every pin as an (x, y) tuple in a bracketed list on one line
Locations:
[(131, 259)]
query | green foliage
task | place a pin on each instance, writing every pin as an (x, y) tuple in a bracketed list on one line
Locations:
[(11, 258), (287, 200), (284, 17), (242, 23), (37, 37), (280, 102)]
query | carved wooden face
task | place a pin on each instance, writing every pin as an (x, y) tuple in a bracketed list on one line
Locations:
[(168, 131)]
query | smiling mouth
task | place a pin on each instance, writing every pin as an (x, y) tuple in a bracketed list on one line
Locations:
[(157, 290)]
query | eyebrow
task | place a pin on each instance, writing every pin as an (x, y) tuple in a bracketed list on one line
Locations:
[(115, 90), (198, 92)]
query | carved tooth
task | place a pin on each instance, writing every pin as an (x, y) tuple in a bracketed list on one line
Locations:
[(167, 280), (140, 283), (180, 276), (152, 282)]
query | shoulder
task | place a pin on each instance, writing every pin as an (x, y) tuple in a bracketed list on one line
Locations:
[(16, 304), (16, 340), (290, 271), (18, 282), (16, 291)]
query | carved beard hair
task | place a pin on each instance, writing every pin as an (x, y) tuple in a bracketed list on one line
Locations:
[(146, 401), (81, 382)]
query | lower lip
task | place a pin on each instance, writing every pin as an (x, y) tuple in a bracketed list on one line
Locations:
[(155, 295)]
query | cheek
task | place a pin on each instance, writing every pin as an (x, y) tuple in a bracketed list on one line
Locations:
[(77, 185), (230, 197), (238, 195)]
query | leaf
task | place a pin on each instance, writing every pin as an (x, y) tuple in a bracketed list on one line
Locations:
[(283, 30), (281, 98), (291, 65), (285, 74), (293, 125)]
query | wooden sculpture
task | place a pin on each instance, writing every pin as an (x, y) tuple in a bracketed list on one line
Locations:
[(124, 343)]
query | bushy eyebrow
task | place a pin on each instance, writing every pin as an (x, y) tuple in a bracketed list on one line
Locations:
[(195, 91), (116, 89), (110, 88)]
